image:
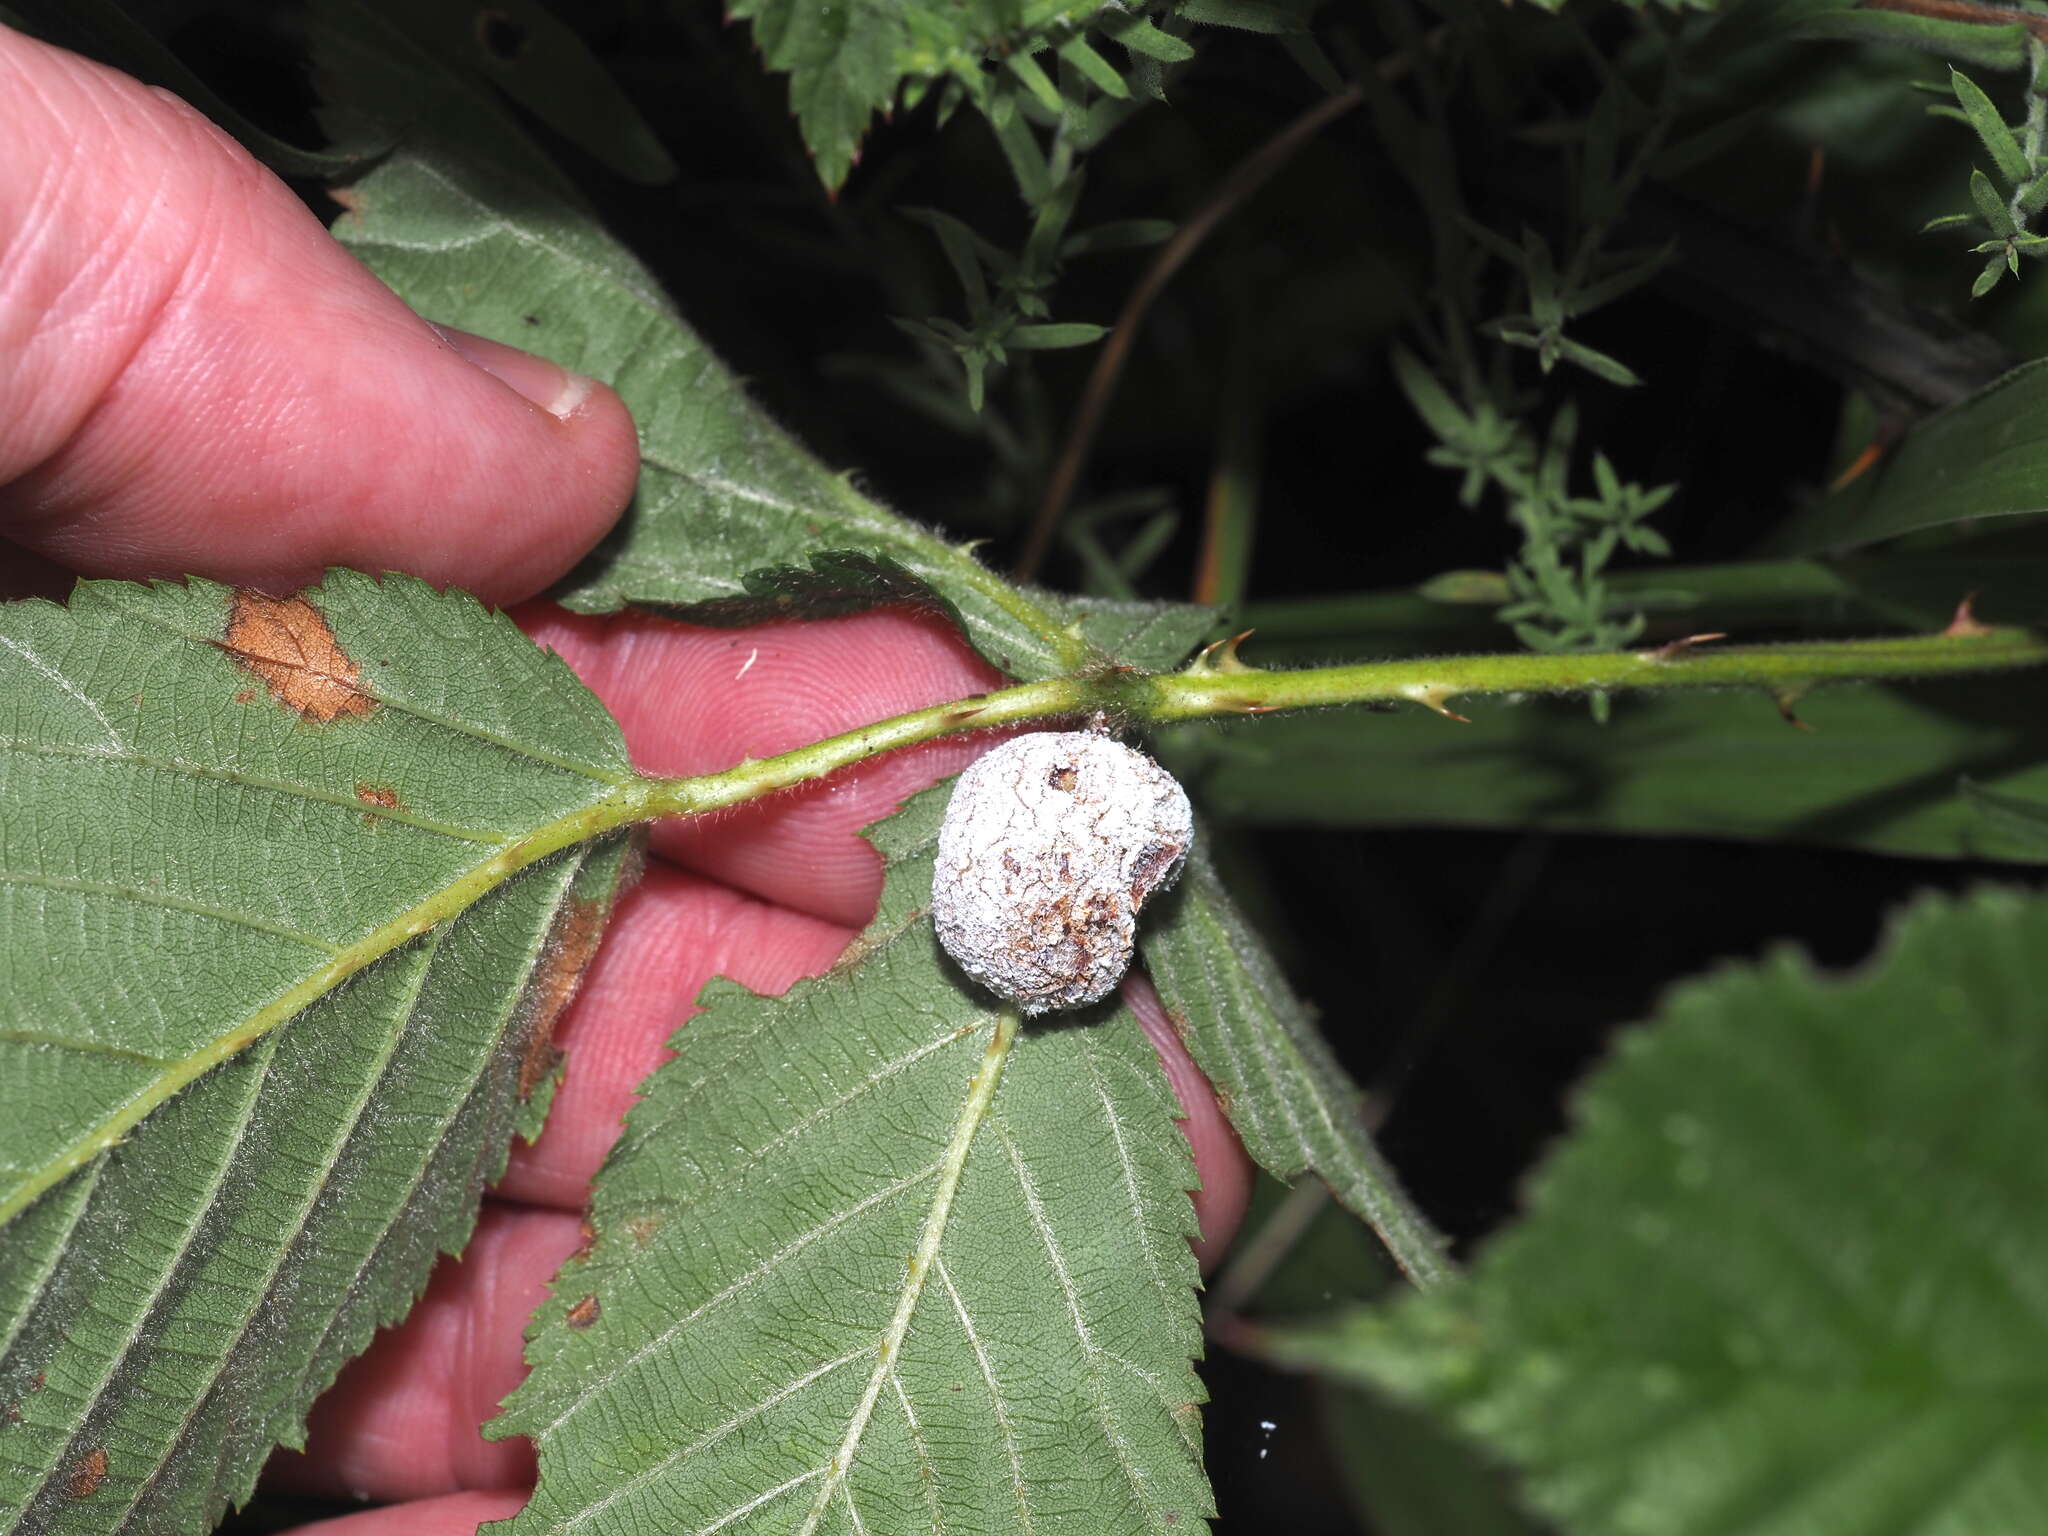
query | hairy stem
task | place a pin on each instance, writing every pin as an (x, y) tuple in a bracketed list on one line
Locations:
[(1226, 688)]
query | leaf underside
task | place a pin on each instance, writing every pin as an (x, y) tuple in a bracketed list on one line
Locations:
[(1293, 1105), (735, 522), (720, 1359), (221, 820), (1788, 1275)]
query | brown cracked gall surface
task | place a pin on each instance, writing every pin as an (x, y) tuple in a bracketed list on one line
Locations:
[(287, 643)]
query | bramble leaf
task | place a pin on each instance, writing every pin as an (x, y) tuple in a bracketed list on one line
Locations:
[(1786, 1275), (292, 891), (472, 226), (1291, 1102), (856, 1271)]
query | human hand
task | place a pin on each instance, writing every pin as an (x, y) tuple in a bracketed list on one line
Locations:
[(195, 379)]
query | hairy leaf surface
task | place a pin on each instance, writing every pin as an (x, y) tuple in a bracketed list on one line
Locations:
[(735, 521), (1293, 1105), (1877, 770), (1788, 1275), (291, 892), (755, 1341)]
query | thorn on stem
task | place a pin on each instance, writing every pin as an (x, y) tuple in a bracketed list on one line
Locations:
[(1785, 698), (1677, 648), (1966, 623), (1207, 662), (1432, 696)]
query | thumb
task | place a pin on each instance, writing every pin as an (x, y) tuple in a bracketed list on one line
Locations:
[(194, 378)]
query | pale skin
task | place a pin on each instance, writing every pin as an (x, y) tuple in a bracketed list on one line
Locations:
[(194, 378)]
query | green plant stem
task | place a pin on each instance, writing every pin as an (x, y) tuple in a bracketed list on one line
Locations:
[(1206, 689), (1203, 691)]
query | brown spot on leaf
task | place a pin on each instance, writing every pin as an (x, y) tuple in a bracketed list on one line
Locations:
[(577, 933), (584, 1313), (1063, 777), (87, 1476), (586, 1238), (246, 696), (35, 1382), (643, 1229), (383, 796), (287, 643)]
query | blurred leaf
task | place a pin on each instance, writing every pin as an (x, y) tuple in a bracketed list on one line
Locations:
[(114, 34), (2025, 822), (1967, 41), (471, 225), (1787, 1274), (1877, 770), (1117, 235), (1412, 1478), (541, 63), (1292, 1103), (791, 1306), (272, 1008), (1050, 338), (1987, 457)]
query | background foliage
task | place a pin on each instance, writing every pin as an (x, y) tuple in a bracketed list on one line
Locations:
[(1602, 328)]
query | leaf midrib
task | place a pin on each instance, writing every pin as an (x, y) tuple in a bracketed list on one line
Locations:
[(624, 804)]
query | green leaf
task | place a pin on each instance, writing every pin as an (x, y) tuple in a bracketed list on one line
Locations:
[(1412, 1477), (284, 944), (1970, 42), (792, 1307), (1877, 770), (847, 62), (1991, 128), (469, 224), (1052, 338), (1117, 235), (1292, 1103), (1786, 1275), (1599, 364), (2025, 822), (1984, 458), (1990, 206)]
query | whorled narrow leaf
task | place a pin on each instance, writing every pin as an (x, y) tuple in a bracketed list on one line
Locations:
[(291, 891), (735, 521), (854, 1270), (1293, 1105), (1787, 1274)]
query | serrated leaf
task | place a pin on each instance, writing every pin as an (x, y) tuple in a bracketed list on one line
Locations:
[(1877, 771), (470, 224), (291, 893), (1292, 1104), (1786, 1275), (848, 62), (794, 1319)]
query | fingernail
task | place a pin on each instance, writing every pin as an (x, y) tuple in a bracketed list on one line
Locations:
[(548, 385)]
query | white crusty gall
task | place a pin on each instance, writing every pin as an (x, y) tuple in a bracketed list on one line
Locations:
[(1051, 844)]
